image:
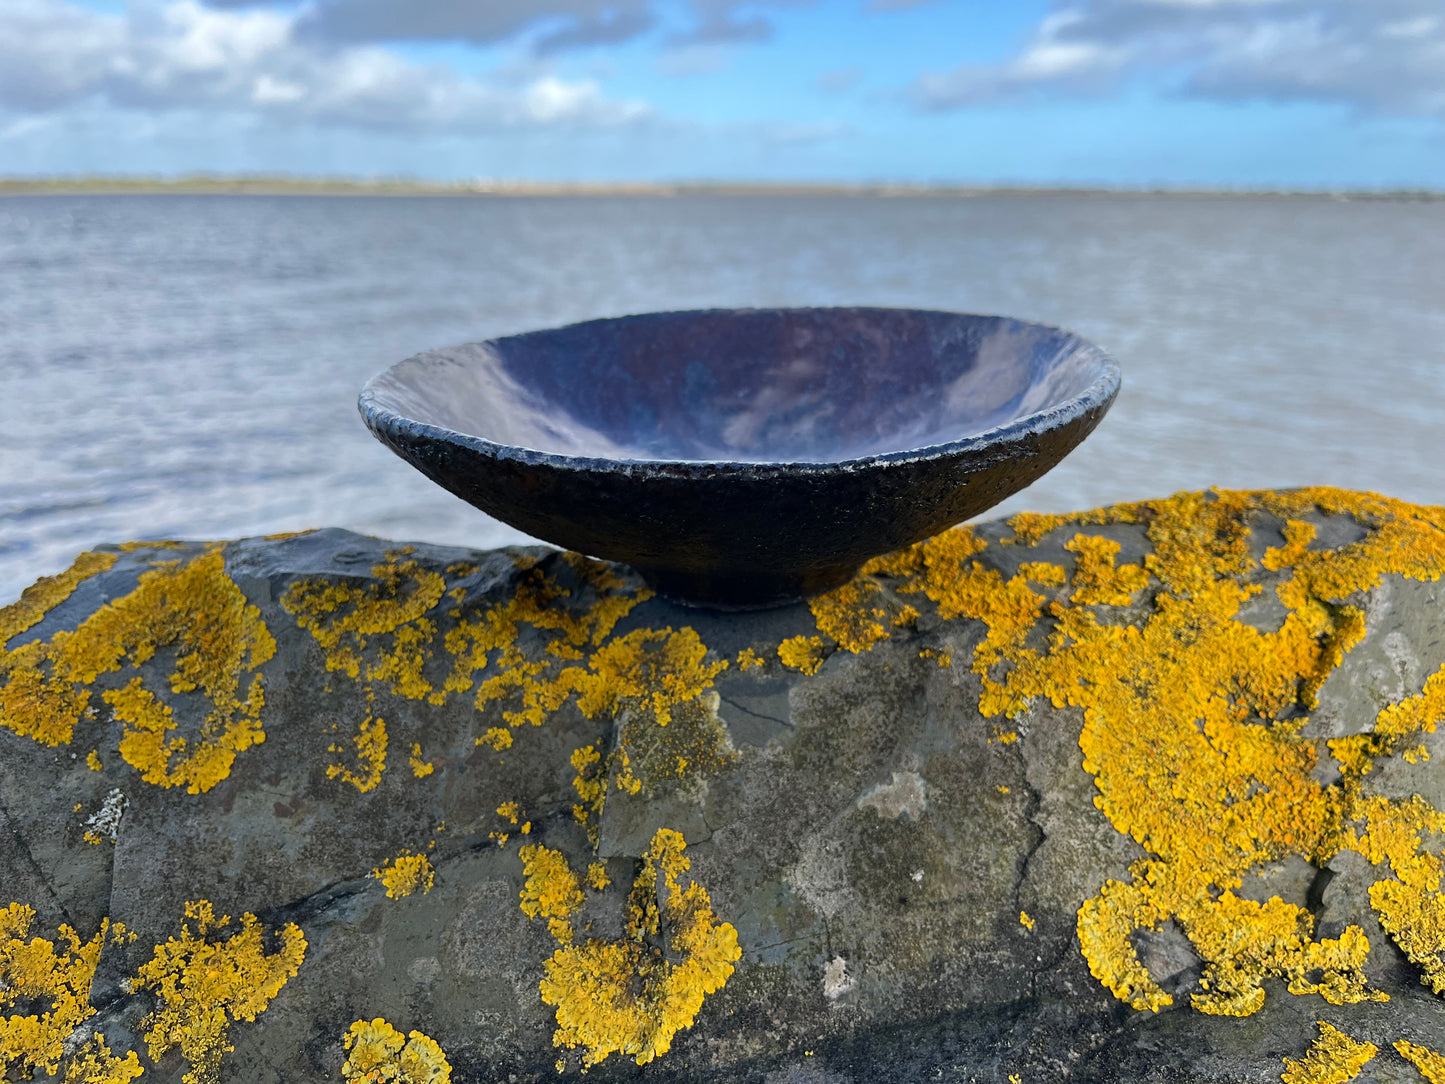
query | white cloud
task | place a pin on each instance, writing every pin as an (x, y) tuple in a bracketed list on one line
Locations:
[(549, 25), (184, 56), (1380, 56), (1056, 60), (1423, 26), (729, 22), (565, 23)]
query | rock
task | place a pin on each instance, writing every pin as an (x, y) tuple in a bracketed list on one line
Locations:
[(1144, 794)]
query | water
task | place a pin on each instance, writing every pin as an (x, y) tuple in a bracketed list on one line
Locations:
[(177, 366)]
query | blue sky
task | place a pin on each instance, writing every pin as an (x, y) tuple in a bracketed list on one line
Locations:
[(1234, 93)]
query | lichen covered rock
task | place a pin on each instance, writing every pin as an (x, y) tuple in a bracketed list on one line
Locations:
[(1145, 793)]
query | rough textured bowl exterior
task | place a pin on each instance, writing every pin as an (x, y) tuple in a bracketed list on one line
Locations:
[(745, 532)]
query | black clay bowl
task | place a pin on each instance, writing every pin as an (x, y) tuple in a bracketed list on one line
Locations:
[(744, 458)]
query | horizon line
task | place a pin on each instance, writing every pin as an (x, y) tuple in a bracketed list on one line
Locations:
[(202, 183)]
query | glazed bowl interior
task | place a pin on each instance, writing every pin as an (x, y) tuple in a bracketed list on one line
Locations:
[(745, 386)]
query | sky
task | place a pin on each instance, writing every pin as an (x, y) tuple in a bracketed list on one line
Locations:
[(1325, 94)]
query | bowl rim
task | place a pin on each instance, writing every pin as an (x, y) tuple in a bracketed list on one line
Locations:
[(1099, 394)]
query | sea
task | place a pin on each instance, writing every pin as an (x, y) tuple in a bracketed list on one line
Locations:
[(186, 366)]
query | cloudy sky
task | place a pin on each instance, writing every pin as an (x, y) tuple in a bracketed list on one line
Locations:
[(1318, 93)]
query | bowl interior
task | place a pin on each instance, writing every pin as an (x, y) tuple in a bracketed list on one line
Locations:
[(759, 385)]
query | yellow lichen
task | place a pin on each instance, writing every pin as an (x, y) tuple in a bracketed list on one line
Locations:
[(655, 670), (805, 653), (1096, 580), (498, 738), (1193, 728), (626, 780), (748, 659), (152, 544), (1414, 715), (1412, 908), (48, 982), (194, 611), (1029, 528), (204, 985), (626, 996), (561, 930), (345, 618), (533, 648), (590, 783), (200, 613), (539, 682), (369, 745), (94, 1063), (659, 683), (1298, 535), (48, 592), (92, 761), (510, 810), (378, 1053), (1431, 1065), (1333, 1058), (856, 615), (552, 891), (1025, 921), (597, 878), (420, 767), (405, 875), (543, 645)]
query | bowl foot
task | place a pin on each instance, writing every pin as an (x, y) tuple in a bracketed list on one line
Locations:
[(745, 591)]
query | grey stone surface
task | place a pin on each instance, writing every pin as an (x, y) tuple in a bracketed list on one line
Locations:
[(873, 840)]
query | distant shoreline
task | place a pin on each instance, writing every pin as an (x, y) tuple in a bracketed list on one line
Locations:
[(292, 186)]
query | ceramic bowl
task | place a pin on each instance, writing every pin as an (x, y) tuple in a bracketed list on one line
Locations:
[(743, 458)]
